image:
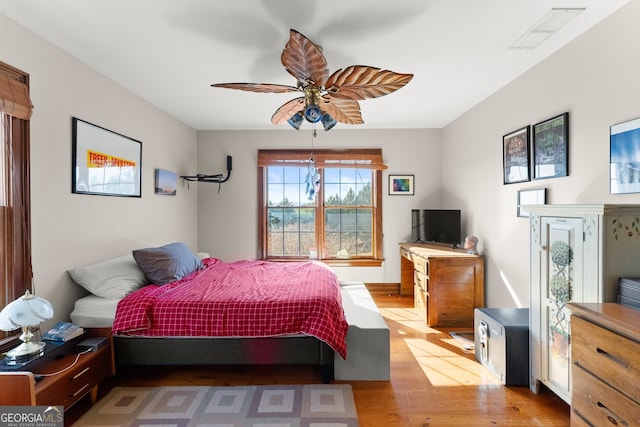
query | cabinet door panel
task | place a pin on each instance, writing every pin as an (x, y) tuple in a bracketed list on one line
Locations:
[(561, 253)]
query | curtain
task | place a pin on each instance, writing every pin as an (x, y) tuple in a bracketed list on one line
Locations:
[(15, 215)]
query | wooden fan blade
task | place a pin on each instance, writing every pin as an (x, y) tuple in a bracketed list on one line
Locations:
[(343, 110), (258, 87), (360, 82), (287, 110), (304, 60)]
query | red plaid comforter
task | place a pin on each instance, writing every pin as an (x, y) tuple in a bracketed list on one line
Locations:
[(240, 299)]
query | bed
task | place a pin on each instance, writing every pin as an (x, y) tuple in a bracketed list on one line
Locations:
[(213, 312)]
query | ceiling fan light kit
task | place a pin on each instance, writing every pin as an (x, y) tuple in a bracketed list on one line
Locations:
[(328, 99)]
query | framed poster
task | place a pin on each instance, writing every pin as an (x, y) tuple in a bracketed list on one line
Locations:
[(624, 157), (104, 162), (401, 185), (551, 147), (515, 156)]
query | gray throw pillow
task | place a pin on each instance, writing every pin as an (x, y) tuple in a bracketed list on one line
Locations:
[(167, 263)]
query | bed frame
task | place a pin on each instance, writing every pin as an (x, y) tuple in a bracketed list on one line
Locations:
[(295, 350)]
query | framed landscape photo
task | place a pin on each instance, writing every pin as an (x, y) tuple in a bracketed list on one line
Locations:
[(401, 185), (551, 147), (624, 157), (104, 162), (515, 150), (166, 182)]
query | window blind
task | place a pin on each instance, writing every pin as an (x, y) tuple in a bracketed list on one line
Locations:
[(365, 158), (14, 97)]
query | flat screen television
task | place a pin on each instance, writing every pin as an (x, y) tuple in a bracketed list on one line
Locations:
[(441, 226)]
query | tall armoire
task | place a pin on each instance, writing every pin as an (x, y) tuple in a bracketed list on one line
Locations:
[(578, 252)]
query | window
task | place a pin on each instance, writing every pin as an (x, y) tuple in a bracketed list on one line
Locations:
[(15, 213), (327, 205)]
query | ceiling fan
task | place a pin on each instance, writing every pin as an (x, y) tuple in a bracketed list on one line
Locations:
[(327, 98)]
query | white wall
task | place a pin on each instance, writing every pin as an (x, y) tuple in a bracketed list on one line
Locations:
[(228, 227), (595, 79), (70, 230)]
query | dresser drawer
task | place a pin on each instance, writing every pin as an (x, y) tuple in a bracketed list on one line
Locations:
[(421, 265), (578, 421), (69, 386), (606, 355), (599, 404), (420, 302), (421, 280)]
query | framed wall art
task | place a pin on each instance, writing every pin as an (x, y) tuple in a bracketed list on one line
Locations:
[(401, 185), (104, 162), (166, 182), (624, 157), (551, 147), (536, 196), (515, 150)]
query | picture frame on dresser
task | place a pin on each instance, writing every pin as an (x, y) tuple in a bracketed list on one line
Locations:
[(534, 196), (515, 156), (104, 162), (551, 147)]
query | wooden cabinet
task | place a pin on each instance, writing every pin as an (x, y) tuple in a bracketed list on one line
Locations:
[(447, 284), (63, 376), (578, 253), (605, 368)]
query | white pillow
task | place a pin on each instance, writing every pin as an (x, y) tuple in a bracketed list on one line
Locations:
[(114, 278)]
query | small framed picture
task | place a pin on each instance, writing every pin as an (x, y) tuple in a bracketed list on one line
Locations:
[(535, 196), (624, 157), (515, 150), (166, 182), (551, 147), (401, 185)]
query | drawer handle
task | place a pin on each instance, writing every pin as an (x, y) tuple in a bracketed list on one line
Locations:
[(613, 418), (612, 358), (81, 373), (80, 390)]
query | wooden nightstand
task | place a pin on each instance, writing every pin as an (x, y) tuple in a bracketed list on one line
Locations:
[(70, 381)]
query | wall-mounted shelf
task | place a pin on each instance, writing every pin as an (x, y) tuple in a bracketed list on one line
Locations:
[(217, 178)]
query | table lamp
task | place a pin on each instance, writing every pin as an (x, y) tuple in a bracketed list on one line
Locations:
[(26, 312)]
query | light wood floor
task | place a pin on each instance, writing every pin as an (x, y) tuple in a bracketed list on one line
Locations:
[(435, 381)]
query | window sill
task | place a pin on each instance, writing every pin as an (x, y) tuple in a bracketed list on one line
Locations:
[(335, 262)]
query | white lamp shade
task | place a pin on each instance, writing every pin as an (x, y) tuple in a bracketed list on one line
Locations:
[(5, 323), (28, 310)]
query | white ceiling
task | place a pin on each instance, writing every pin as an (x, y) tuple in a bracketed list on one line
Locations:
[(170, 51)]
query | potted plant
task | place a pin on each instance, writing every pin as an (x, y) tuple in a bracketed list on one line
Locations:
[(560, 289)]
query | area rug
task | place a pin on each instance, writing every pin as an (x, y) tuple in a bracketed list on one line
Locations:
[(316, 405)]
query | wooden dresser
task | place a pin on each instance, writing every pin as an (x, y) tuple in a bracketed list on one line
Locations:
[(446, 284), (605, 368)]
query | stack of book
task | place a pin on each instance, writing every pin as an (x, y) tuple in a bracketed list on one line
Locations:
[(63, 332)]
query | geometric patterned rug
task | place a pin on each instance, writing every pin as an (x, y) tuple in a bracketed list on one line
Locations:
[(313, 405)]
